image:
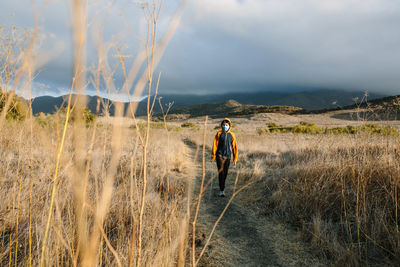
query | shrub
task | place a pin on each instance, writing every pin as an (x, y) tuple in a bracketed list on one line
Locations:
[(262, 131), (187, 125), (45, 120), (87, 116), (153, 125), (17, 110), (310, 124), (311, 128)]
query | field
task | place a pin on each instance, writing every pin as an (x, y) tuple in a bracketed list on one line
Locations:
[(297, 199)]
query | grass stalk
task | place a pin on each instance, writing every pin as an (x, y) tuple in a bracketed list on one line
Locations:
[(199, 198)]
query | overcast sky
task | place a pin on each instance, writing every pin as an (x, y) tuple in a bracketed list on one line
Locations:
[(232, 45)]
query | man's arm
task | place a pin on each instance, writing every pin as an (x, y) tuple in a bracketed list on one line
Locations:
[(215, 146), (234, 149)]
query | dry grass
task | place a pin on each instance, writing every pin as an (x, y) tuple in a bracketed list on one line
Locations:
[(99, 195), (341, 192), (164, 207)]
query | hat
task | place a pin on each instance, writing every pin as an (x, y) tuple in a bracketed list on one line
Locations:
[(226, 120)]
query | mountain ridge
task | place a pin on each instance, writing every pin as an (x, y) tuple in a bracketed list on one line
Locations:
[(308, 100)]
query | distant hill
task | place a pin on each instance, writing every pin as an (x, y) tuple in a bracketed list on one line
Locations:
[(308, 100), (233, 108), (212, 109), (392, 102), (386, 108), (49, 104)]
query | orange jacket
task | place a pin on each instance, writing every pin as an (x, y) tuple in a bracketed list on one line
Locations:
[(233, 144)]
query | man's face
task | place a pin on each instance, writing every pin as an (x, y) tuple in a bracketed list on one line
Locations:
[(225, 124)]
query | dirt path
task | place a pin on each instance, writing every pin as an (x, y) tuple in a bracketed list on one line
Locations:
[(244, 236)]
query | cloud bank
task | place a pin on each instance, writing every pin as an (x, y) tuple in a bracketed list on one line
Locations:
[(230, 45)]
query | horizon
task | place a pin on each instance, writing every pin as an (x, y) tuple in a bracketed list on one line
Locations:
[(294, 90), (224, 93)]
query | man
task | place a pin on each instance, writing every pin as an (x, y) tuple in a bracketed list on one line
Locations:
[(224, 148)]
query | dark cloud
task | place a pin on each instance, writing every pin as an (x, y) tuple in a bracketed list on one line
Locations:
[(235, 45)]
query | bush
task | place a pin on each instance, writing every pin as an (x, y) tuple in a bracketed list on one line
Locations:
[(87, 116), (187, 125), (311, 128), (17, 110), (262, 131), (153, 125), (45, 120), (309, 124)]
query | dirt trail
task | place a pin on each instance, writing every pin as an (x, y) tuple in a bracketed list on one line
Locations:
[(244, 236)]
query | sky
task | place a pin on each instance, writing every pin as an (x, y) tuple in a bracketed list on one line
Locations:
[(228, 45)]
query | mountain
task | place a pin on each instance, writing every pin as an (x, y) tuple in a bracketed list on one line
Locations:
[(381, 109), (212, 109), (233, 108), (309, 100), (50, 104)]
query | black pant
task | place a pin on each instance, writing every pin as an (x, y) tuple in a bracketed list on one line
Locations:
[(223, 166)]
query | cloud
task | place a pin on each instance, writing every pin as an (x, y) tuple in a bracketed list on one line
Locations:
[(240, 45), (334, 43)]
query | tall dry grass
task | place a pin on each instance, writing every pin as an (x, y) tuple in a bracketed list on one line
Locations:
[(98, 195), (340, 191), (163, 211)]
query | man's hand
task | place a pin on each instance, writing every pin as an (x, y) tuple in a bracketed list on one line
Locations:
[(234, 164)]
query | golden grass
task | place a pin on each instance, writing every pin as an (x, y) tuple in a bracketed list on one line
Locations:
[(163, 211), (341, 192)]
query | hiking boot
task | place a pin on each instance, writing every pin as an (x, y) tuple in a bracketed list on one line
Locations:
[(221, 193)]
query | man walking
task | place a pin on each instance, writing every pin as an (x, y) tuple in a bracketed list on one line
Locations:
[(223, 149)]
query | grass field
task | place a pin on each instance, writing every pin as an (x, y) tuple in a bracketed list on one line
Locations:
[(26, 188), (339, 191)]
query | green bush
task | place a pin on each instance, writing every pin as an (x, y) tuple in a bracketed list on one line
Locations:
[(45, 120), (87, 116), (153, 125), (351, 129), (272, 124), (262, 131), (310, 124), (17, 110), (311, 128), (187, 125)]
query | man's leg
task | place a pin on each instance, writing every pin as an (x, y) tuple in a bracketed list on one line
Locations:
[(226, 168), (221, 177)]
